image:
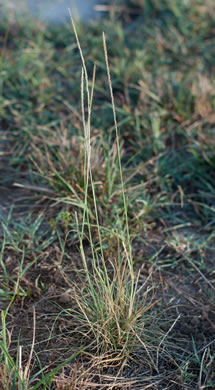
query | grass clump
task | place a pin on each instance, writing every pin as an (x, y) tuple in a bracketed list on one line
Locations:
[(108, 307), (113, 316)]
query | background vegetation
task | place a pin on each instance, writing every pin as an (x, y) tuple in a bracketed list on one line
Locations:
[(107, 206)]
